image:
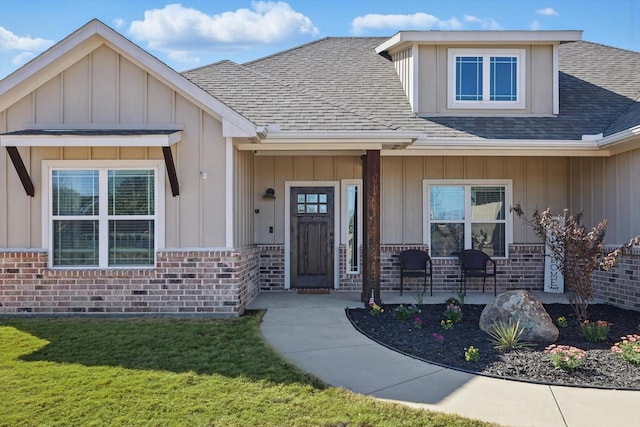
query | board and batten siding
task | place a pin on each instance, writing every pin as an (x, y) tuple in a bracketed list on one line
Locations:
[(538, 182), (403, 63), (433, 75), (105, 88), (608, 188), (243, 200), (274, 171)]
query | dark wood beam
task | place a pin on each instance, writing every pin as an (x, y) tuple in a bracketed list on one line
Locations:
[(171, 171), (23, 174), (371, 226)]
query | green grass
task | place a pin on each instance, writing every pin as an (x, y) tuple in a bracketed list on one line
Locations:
[(171, 372)]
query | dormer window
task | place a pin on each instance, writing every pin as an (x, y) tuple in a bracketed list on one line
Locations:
[(486, 78)]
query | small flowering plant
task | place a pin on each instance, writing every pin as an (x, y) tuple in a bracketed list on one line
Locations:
[(446, 324), (595, 331), (403, 313), (628, 349), (417, 322), (562, 322), (453, 313), (376, 310), (437, 337), (565, 357), (471, 354)]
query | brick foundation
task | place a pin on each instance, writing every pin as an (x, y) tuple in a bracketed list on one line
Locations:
[(216, 282), (224, 282)]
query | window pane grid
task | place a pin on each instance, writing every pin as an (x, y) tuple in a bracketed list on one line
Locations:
[(467, 216), (122, 233), (490, 78), (75, 192), (131, 242), (503, 72), (469, 78)]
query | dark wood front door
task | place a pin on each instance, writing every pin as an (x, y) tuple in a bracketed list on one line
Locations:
[(312, 234)]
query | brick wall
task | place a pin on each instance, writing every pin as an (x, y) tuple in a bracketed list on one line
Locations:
[(220, 282), (523, 270), (271, 267), (620, 285)]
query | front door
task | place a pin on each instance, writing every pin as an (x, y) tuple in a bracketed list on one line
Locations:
[(312, 234)]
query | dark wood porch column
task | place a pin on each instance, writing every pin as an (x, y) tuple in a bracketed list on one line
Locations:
[(371, 226)]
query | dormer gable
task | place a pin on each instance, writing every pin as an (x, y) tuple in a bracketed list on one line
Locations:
[(475, 73)]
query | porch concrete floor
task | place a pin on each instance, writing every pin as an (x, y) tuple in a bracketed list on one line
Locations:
[(312, 332)]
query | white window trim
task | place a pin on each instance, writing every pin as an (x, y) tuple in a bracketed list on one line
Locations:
[(344, 219), (47, 237), (508, 196), (452, 103), (287, 227)]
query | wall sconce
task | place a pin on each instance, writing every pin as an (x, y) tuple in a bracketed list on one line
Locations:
[(269, 194)]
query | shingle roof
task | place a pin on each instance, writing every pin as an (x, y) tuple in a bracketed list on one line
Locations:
[(340, 83)]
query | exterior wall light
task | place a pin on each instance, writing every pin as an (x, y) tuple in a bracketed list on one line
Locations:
[(270, 193)]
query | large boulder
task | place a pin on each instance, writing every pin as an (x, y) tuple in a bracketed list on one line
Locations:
[(520, 306)]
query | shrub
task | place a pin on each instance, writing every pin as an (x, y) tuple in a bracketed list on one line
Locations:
[(565, 357), (594, 331), (578, 251), (402, 313), (506, 336), (453, 313), (628, 349)]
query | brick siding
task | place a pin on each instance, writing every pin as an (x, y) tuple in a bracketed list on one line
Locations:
[(216, 282), (224, 282), (620, 285)]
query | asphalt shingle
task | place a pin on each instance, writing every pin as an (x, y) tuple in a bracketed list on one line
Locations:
[(341, 83)]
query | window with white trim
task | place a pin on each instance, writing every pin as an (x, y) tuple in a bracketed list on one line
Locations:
[(463, 215), (486, 78), (103, 217)]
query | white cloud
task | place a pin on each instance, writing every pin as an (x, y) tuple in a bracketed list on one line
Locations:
[(22, 58), (180, 31), (416, 21), (535, 25), (483, 23), (547, 11), (119, 22), (10, 41)]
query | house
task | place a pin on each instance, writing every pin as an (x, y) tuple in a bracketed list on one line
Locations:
[(127, 187)]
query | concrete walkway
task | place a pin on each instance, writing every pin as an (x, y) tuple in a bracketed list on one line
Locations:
[(312, 332)]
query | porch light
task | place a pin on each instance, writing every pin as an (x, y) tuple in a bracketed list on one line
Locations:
[(270, 193)]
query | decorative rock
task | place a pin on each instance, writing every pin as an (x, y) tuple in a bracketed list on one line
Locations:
[(520, 306)]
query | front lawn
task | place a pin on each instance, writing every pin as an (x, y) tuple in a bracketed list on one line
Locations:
[(170, 372)]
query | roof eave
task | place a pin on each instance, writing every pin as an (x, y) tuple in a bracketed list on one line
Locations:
[(478, 37), (619, 142)]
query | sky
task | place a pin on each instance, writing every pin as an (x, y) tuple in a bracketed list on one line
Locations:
[(190, 33)]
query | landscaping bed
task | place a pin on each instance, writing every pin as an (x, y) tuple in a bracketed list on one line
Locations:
[(599, 367)]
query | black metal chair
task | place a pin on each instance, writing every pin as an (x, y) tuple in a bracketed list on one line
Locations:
[(475, 263), (416, 263)]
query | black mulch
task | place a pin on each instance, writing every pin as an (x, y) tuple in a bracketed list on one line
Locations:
[(600, 367)]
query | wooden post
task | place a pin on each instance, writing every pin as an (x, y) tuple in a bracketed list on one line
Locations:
[(371, 226)]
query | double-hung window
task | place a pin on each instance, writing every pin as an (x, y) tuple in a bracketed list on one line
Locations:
[(467, 215), (486, 78), (101, 217)]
